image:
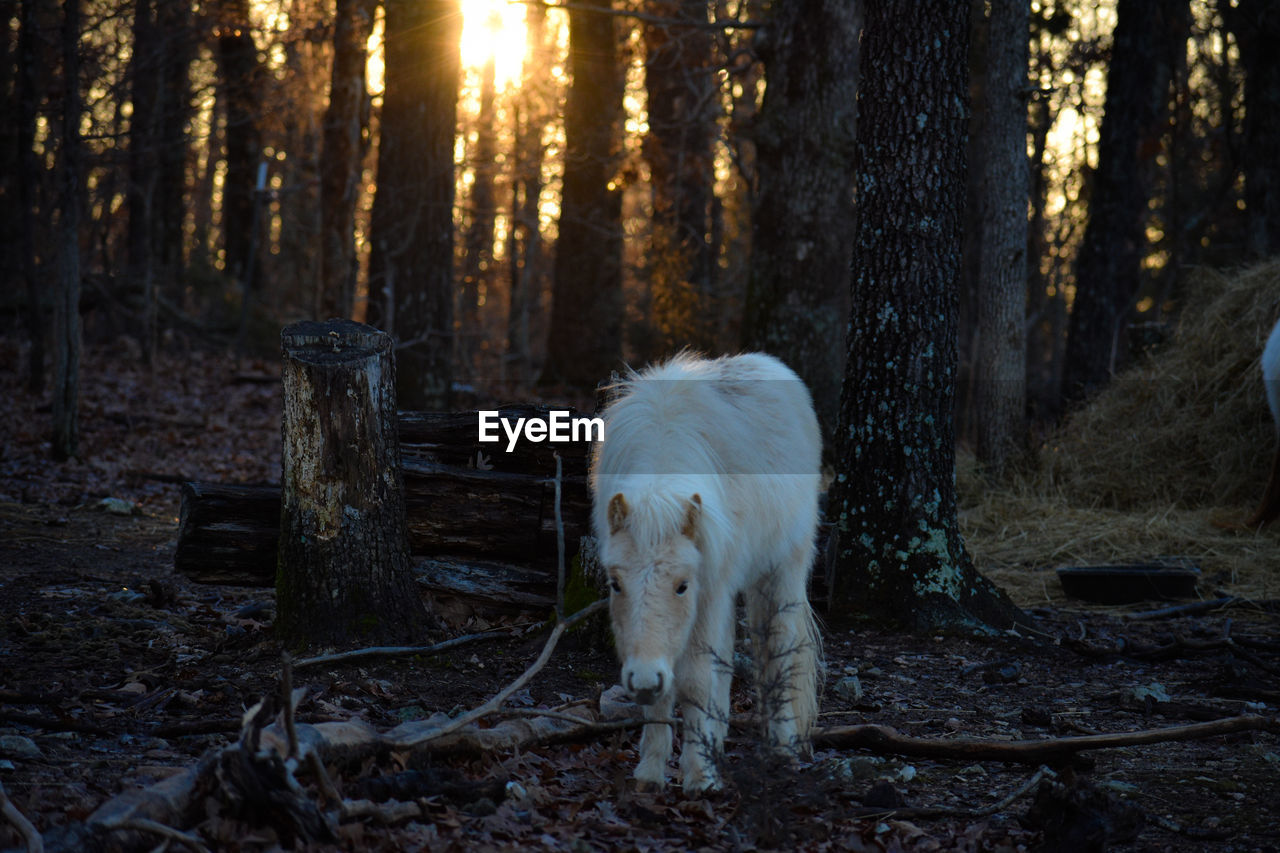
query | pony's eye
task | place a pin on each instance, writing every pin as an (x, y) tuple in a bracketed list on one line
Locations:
[(683, 588), (615, 586)]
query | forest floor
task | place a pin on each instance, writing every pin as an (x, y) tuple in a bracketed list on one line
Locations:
[(116, 674)]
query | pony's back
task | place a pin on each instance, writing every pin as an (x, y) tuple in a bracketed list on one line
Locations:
[(715, 427)]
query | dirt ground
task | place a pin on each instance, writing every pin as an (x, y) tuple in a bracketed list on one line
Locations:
[(116, 674)]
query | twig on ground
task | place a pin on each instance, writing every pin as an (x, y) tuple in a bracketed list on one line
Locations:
[(1193, 609), (35, 844), (559, 542), (586, 726), (286, 696), (50, 724), (495, 702), (405, 651), (141, 824), (887, 741), (985, 811)]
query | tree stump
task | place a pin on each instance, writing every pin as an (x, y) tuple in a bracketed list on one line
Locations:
[(343, 574)]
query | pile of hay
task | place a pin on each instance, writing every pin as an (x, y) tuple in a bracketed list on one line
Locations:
[(1180, 438), (1189, 425)]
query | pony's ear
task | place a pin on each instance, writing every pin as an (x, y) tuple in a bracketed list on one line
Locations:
[(617, 513), (691, 515)]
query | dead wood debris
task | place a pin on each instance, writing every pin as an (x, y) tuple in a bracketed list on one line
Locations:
[(25, 828), (885, 740)]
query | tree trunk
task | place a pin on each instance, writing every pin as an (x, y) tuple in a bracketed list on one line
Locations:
[(1110, 261), (585, 338), (683, 104), (344, 549), (411, 266), (1256, 26), (66, 323), (28, 176), (525, 248), (175, 18), (241, 92), (802, 228), (1000, 370), (895, 549), (477, 260), (342, 157)]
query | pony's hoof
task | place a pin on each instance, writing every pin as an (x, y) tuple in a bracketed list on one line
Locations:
[(649, 779), (701, 783)]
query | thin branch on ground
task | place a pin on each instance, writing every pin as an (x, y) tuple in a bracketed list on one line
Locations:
[(559, 541), (887, 741), (405, 651), (35, 844), (141, 824), (585, 726), (1195, 608), (495, 702), (985, 811)]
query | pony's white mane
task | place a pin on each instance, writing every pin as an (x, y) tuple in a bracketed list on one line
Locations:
[(659, 454)]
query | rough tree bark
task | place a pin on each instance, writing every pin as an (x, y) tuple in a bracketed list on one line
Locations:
[(797, 303), (345, 140), (1000, 368), (585, 339), (157, 153), (477, 258), (28, 176), (411, 263), (1256, 26), (683, 103), (66, 323), (1110, 259), (241, 89), (344, 549), (895, 549)]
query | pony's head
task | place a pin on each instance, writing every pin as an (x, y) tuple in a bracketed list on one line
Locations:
[(652, 559)]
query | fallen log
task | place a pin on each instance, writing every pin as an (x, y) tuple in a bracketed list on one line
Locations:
[(229, 534), (464, 499)]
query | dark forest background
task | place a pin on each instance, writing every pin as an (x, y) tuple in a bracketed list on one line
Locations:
[(529, 194)]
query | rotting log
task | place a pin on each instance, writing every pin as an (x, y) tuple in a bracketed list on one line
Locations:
[(229, 533), (343, 571), (225, 529), (464, 500)]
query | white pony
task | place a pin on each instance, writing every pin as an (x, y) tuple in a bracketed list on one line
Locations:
[(706, 486)]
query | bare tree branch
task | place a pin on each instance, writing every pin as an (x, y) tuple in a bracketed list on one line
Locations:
[(887, 741), (714, 26)]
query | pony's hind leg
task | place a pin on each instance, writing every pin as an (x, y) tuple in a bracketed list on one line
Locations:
[(655, 744)]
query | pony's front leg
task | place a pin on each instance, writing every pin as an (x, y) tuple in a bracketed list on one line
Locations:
[(655, 743), (704, 701)]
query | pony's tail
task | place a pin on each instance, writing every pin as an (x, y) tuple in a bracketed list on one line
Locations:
[(810, 671)]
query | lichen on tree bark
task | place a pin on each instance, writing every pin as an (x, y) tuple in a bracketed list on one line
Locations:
[(896, 550)]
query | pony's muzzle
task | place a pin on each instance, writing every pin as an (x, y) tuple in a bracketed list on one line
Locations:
[(646, 682)]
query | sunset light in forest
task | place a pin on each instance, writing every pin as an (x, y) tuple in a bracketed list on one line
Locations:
[(494, 29)]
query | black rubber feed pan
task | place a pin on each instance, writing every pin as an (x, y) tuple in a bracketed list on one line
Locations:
[(1129, 583)]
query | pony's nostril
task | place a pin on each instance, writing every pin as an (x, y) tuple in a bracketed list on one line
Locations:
[(658, 689)]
